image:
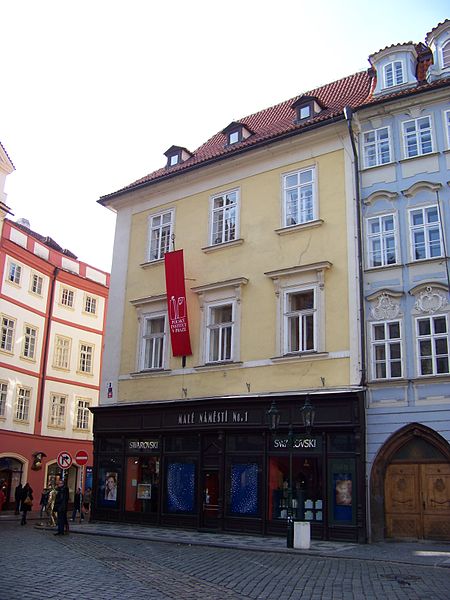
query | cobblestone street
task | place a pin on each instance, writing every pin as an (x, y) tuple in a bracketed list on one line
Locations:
[(35, 564)]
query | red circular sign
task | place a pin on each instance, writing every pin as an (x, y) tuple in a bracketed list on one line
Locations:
[(64, 460), (81, 457)]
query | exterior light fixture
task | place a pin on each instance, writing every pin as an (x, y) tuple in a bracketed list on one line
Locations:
[(308, 413), (273, 416)]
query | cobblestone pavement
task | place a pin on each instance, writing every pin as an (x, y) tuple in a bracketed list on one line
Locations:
[(36, 565)]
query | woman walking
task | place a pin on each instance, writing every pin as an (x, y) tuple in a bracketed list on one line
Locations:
[(26, 502)]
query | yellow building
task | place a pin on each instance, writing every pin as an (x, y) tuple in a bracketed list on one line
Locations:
[(266, 217)]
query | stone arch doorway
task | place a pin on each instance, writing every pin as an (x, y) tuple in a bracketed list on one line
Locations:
[(11, 474), (410, 486)]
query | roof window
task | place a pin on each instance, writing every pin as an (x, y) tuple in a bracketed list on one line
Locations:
[(236, 132), (176, 155), (307, 107)]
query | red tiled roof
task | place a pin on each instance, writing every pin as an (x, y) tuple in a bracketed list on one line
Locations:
[(270, 124), (46, 240)]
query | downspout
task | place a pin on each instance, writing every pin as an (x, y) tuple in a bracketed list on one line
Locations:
[(348, 114), (46, 346)]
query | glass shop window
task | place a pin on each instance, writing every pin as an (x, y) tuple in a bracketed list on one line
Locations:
[(304, 500), (142, 484), (181, 477), (342, 492), (342, 442), (108, 483), (244, 496)]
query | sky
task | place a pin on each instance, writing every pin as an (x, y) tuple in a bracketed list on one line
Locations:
[(94, 92)]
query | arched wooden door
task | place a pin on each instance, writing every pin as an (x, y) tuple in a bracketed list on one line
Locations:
[(417, 500)]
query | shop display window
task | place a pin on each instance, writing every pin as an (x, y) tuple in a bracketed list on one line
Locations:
[(244, 489), (142, 484), (304, 500), (109, 482), (180, 486), (342, 491)]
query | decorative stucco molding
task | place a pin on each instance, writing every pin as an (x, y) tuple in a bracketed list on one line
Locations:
[(421, 185), (430, 298), (380, 195), (384, 306)]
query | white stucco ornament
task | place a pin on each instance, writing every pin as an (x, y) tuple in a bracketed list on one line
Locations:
[(385, 308), (431, 300)]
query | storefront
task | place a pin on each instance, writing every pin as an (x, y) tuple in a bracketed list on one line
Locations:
[(216, 465)]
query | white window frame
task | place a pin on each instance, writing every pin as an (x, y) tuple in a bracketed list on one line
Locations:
[(36, 284), (82, 417), (394, 74), (418, 136), (426, 228), (14, 273), (61, 355), (376, 145), (150, 340), (433, 338), (229, 230), (3, 398), (29, 343), (445, 54), (8, 329), (67, 298), (90, 304), (221, 330), (86, 358), (381, 237), (387, 343), (57, 410), (160, 235), (22, 407), (306, 209), (302, 316), (447, 125)]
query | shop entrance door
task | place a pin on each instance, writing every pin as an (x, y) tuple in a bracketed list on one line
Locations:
[(417, 500), (210, 498)]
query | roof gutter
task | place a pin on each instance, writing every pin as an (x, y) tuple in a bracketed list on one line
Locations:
[(348, 114), (103, 200)]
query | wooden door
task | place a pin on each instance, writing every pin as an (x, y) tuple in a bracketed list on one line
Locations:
[(417, 501)]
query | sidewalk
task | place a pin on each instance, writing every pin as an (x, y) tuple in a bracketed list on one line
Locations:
[(426, 553)]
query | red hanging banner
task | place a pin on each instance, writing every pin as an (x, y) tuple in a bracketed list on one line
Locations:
[(176, 303)]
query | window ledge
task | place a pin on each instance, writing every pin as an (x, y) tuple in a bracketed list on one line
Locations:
[(21, 421), (408, 158), (151, 263), (57, 427), (438, 378), (382, 267), (372, 167), (436, 259), (150, 373), (303, 356), (81, 430), (85, 374), (223, 245), (393, 381), (299, 227), (219, 365)]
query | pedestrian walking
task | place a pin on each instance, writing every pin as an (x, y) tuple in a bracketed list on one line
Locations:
[(61, 502), (26, 502), (77, 505), (44, 501), (87, 500), (18, 498)]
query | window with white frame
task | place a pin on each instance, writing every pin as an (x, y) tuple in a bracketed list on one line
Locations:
[(417, 137), (29, 342), (160, 232), (299, 197), (67, 297), (82, 416), (381, 241), (299, 321), (86, 358), (377, 147), (432, 345), (393, 74), (7, 334), (90, 304), (61, 357), (220, 323), (22, 404), (425, 230), (3, 397), (14, 272), (446, 55), (154, 334), (36, 284), (447, 125), (386, 350), (224, 217), (58, 404)]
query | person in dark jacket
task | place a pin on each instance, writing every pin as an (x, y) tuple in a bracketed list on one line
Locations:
[(26, 502), (77, 505), (18, 498), (61, 502)]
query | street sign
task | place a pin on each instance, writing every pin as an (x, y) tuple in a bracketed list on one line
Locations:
[(64, 460), (81, 457)]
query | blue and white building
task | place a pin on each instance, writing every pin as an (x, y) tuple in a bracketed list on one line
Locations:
[(404, 155)]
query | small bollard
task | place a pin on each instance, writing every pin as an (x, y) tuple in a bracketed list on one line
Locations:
[(290, 532)]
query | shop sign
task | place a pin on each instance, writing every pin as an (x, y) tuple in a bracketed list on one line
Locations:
[(298, 443), (213, 417), (143, 445)]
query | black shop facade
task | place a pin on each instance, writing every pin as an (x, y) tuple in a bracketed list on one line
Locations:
[(224, 464)]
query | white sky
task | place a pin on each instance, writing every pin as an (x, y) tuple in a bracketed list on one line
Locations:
[(93, 92)]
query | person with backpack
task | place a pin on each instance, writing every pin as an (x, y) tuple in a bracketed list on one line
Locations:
[(26, 502)]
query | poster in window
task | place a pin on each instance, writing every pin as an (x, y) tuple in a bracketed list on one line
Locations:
[(144, 491), (343, 489)]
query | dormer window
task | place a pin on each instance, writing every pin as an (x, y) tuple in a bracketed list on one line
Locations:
[(306, 107), (236, 132), (176, 155), (393, 74), (446, 55)]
